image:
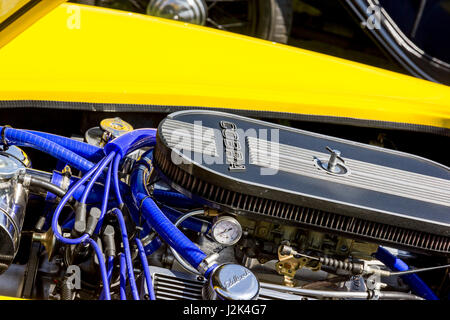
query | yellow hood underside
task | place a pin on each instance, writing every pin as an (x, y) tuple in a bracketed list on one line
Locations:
[(17, 15), (95, 55)]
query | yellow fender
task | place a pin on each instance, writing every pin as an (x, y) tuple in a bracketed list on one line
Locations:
[(95, 58)]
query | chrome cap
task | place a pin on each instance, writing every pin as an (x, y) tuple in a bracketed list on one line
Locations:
[(10, 162), (231, 282)]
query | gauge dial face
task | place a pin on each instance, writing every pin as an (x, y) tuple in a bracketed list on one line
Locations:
[(226, 231)]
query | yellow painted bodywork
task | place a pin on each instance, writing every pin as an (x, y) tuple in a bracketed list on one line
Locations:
[(10, 298), (88, 54), (34, 10)]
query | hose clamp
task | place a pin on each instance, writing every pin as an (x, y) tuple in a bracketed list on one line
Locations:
[(148, 238), (65, 182), (207, 263), (26, 180)]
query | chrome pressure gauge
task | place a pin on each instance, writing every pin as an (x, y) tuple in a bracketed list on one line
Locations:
[(226, 230)]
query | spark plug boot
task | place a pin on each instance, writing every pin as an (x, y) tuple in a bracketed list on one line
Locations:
[(94, 216), (108, 239), (80, 218)]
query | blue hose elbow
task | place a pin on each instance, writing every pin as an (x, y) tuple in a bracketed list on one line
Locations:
[(131, 141)]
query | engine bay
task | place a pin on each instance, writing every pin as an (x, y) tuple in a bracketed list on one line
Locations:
[(207, 205)]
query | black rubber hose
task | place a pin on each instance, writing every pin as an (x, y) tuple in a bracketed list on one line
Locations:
[(47, 186)]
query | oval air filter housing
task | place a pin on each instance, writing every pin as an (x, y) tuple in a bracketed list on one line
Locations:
[(314, 181)]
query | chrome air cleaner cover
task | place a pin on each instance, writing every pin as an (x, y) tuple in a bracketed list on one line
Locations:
[(314, 181)]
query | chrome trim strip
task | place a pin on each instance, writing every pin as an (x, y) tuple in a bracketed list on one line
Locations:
[(363, 175), (184, 136)]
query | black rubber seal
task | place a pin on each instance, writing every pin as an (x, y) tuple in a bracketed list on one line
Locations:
[(118, 107)]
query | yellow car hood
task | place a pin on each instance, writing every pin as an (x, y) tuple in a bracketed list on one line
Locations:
[(17, 15), (98, 59)]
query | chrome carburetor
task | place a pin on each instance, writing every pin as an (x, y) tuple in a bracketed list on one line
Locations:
[(13, 201)]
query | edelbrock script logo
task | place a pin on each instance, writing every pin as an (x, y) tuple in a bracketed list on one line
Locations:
[(236, 279)]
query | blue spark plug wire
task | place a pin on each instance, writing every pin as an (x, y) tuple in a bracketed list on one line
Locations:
[(85, 237), (144, 262), (116, 179), (105, 200), (103, 272), (123, 277), (110, 268), (63, 202), (95, 176), (126, 248)]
